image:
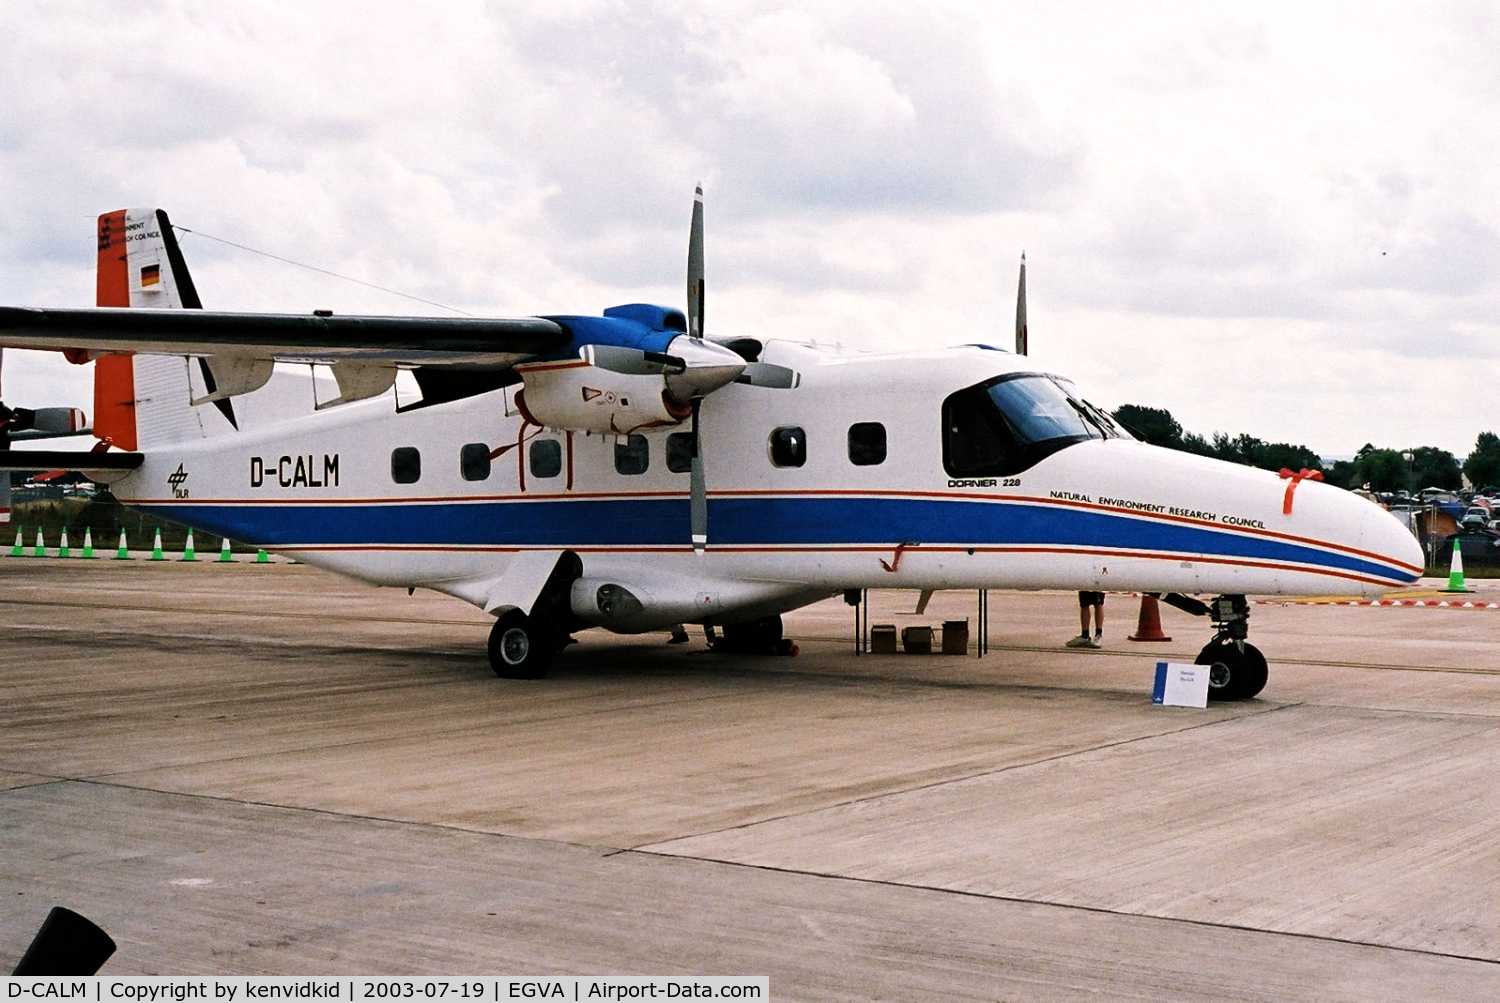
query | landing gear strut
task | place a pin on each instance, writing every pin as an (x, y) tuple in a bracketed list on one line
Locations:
[(522, 645), (1237, 669)]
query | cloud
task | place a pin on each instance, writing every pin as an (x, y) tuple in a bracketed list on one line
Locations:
[(1220, 208)]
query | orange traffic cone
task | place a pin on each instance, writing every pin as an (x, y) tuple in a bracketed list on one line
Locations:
[(1148, 627)]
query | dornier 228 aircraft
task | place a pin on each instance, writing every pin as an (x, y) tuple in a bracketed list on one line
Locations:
[(628, 472)]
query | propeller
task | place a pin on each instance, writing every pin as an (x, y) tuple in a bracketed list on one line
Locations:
[(693, 368), (750, 370)]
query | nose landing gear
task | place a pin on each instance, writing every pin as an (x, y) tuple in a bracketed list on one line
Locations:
[(1237, 669)]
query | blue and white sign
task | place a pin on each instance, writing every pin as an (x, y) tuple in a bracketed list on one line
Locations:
[(1179, 684)]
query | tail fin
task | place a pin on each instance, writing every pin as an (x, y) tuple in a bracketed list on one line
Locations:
[(143, 399), (140, 263)]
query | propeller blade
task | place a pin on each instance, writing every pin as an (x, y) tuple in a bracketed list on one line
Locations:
[(768, 374), (631, 361), (698, 485), (67, 944), (695, 268), (1021, 334)]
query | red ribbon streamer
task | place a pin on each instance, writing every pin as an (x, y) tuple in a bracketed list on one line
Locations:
[(1296, 478)]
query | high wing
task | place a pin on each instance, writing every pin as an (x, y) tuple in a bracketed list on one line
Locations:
[(148, 304), (470, 343)]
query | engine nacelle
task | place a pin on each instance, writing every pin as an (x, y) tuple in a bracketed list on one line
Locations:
[(42, 422), (620, 389), (577, 395)]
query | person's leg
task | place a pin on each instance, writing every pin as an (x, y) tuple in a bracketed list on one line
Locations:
[(1082, 640)]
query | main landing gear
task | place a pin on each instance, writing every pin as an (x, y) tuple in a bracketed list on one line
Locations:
[(1237, 669), (523, 645)]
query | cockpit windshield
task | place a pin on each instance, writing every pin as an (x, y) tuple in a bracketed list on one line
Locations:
[(1005, 425)]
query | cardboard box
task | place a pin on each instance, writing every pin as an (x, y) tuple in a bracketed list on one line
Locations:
[(955, 637), (883, 639), (917, 640)]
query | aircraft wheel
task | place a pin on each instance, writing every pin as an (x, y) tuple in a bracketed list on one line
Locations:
[(519, 648), (1234, 674)]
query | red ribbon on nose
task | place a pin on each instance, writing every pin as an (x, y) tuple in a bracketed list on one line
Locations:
[(1296, 478)]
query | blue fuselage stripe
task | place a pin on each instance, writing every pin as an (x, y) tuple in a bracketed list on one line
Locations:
[(759, 521)]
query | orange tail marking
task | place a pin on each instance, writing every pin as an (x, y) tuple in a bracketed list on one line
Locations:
[(114, 375), (113, 280), (114, 400)]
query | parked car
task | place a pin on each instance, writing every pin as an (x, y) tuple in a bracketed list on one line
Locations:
[(1476, 518)]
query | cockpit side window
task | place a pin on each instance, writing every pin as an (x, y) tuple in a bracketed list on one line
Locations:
[(1006, 425), (975, 439)]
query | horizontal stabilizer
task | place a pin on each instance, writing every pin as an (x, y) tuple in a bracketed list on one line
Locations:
[(67, 459)]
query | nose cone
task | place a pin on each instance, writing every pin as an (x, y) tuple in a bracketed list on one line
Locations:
[(706, 368), (1386, 536), (1350, 544), (1180, 522)]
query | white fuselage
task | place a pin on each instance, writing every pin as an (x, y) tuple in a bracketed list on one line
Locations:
[(446, 497)]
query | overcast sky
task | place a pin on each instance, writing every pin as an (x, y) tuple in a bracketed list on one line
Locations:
[(1277, 219)]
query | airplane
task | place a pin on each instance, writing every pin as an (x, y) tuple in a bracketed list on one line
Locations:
[(628, 471)]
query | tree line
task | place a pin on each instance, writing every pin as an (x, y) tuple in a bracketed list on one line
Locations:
[(1376, 469)]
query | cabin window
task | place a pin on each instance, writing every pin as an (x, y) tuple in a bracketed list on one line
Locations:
[(866, 443), (1006, 425), (406, 465), (545, 458), (632, 455), (680, 452), (474, 461), (788, 446)]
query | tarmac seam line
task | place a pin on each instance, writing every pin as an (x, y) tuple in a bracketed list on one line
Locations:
[(935, 784), (875, 882), (1097, 910)]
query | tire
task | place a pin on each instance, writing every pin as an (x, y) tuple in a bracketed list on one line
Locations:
[(519, 648), (1235, 674)]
